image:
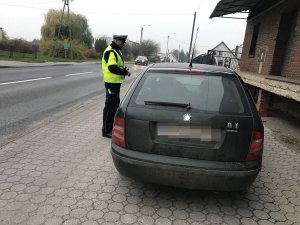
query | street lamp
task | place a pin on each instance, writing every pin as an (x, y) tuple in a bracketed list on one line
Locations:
[(167, 51), (141, 38)]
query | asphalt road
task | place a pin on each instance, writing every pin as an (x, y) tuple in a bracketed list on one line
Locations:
[(29, 94)]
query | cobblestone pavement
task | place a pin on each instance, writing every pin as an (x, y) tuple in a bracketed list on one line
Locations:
[(62, 173)]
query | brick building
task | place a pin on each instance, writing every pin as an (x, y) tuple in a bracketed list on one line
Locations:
[(270, 62)]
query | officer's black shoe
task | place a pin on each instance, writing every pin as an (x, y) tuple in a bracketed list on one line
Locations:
[(107, 135)]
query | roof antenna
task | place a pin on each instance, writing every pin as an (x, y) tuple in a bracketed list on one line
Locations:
[(192, 37), (191, 61)]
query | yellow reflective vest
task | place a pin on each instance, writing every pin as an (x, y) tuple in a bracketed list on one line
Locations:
[(110, 77)]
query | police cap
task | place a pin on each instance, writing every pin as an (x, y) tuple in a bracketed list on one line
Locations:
[(120, 37)]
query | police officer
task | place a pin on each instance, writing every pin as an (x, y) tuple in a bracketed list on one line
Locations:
[(114, 71)]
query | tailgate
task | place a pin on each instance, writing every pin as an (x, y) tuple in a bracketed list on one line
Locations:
[(204, 136)]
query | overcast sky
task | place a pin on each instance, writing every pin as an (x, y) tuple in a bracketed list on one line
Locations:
[(24, 18)]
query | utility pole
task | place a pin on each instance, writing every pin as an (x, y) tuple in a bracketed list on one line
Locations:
[(66, 3), (141, 38), (178, 53), (192, 37), (167, 51), (1, 33)]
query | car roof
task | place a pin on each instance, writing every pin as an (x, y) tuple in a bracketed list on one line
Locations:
[(194, 66)]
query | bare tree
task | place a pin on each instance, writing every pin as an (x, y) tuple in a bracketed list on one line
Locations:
[(150, 48)]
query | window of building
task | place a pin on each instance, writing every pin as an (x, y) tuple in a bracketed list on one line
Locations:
[(254, 40)]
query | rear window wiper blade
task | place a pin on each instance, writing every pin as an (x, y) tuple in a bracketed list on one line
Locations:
[(176, 104)]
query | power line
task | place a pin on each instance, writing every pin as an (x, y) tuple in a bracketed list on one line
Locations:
[(22, 6), (41, 3), (139, 14), (107, 13)]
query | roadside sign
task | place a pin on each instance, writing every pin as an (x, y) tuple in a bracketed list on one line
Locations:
[(66, 46)]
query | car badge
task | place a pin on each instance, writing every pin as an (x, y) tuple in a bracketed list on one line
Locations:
[(186, 117)]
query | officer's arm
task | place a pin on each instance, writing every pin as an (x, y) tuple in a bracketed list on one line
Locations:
[(109, 57)]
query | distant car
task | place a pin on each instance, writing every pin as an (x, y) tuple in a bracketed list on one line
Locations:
[(195, 128), (141, 60)]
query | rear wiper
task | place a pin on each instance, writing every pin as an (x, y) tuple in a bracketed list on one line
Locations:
[(182, 105)]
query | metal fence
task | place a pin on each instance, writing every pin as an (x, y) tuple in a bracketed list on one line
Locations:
[(227, 59), (19, 52)]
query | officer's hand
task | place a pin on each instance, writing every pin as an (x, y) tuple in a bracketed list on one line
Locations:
[(128, 73)]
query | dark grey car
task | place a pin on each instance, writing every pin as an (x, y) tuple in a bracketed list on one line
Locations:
[(141, 60), (196, 128)]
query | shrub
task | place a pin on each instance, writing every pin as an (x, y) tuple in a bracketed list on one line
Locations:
[(17, 45), (92, 53), (55, 48)]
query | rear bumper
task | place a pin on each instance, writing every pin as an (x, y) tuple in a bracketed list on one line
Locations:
[(141, 63), (186, 173)]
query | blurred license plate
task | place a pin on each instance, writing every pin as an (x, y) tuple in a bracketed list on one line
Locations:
[(204, 133)]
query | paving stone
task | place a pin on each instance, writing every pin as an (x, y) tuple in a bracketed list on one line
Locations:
[(244, 212), (278, 216), (20, 217), (180, 214), (3, 203), (261, 214), (128, 219), (100, 205), (248, 221), (54, 221), (131, 199), (197, 216), (131, 208), (84, 203), (72, 222), (78, 213), (294, 217), (45, 209), (36, 220), (163, 221), (95, 214), (272, 207), (68, 201), (232, 220), (62, 173), (111, 217), (115, 206), (164, 212), (145, 220), (214, 218), (180, 222), (265, 222)]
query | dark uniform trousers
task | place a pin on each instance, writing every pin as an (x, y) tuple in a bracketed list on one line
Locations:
[(112, 102)]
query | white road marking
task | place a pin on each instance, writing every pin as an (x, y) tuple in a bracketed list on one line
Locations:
[(75, 74), (23, 81), (43, 78)]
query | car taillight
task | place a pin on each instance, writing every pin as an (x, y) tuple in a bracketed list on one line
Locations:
[(256, 146), (118, 136)]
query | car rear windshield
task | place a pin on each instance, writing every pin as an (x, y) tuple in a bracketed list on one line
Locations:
[(205, 92), (142, 57)]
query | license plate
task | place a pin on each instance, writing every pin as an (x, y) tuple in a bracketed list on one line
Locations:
[(203, 133)]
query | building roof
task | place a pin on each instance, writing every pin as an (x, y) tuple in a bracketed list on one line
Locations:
[(225, 7), (222, 44)]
